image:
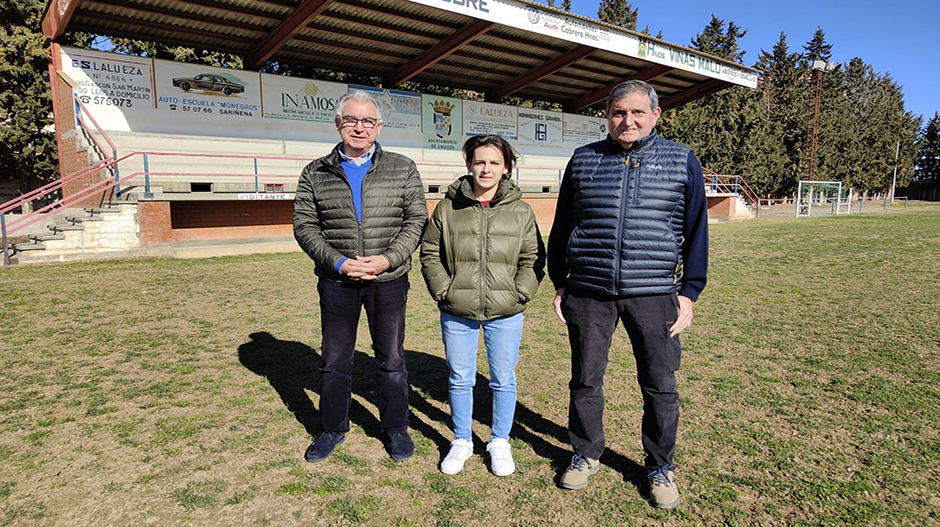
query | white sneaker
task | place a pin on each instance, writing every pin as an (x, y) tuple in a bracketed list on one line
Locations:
[(501, 462), (460, 452)]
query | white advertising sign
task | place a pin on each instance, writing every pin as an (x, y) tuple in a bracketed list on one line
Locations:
[(441, 122), (302, 99), (116, 89), (530, 18), (580, 130), (540, 128), (219, 97), (686, 60), (483, 118), (401, 111)]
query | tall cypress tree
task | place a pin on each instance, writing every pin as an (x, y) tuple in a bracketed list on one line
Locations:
[(617, 12)]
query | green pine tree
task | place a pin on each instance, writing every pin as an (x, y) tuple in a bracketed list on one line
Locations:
[(716, 40), (617, 12), (772, 167), (927, 171), (28, 154), (817, 48), (648, 31), (715, 126)]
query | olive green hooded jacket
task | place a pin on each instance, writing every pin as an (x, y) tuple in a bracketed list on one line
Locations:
[(394, 211), (482, 263)]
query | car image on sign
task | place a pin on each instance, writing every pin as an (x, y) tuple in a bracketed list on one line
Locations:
[(208, 82)]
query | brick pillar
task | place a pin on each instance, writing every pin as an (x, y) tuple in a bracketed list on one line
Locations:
[(155, 227), (71, 156)]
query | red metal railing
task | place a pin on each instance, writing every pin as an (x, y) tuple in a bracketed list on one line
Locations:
[(110, 161), (732, 184)]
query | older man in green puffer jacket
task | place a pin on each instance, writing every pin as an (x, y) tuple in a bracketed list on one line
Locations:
[(358, 214)]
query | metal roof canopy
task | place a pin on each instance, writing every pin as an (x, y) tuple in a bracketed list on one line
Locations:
[(497, 47)]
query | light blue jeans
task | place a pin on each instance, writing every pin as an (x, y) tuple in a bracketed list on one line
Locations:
[(501, 336)]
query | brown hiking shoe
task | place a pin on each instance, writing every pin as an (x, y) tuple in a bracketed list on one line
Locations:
[(664, 493), (577, 473)]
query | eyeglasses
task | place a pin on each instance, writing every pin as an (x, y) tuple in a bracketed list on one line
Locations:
[(367, 122)]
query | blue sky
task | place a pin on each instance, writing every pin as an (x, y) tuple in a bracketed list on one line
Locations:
[(899, 37)]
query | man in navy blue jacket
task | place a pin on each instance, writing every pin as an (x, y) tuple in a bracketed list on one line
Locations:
[(629, 242)]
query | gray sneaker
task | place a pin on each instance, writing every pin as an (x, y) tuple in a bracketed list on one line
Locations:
[(577, 473), (664, 493)]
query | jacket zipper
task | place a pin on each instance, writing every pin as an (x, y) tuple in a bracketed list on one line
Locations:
[(623, 202), (636, 182), (362, 198), (483, 265)]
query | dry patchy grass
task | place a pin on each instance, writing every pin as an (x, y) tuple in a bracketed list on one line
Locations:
[(182, 392)]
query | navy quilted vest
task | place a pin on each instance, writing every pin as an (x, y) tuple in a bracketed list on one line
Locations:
[(628, 214)]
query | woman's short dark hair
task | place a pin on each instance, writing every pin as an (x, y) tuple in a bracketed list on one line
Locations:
[(509, 153)]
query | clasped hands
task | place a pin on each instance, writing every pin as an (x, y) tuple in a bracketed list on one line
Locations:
[(364, 267)]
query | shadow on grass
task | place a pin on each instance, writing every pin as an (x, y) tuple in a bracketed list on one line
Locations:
[(293, 367)]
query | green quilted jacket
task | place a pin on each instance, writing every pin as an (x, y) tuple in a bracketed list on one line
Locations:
[(482, 263), (394, 212)]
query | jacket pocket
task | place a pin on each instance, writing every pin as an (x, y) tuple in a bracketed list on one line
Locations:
[(446, 294)]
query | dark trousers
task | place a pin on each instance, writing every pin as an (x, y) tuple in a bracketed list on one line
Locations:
[(592, 320), (340, 306)]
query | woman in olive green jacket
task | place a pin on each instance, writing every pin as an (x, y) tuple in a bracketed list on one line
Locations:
[(482, 259)]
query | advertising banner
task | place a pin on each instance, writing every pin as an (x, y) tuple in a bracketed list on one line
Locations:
[(116, 89), (305, 107), (540, 128), (220, 97), (301, 99), (580, 130), (690, 61), (401, 111), (441, 122), (528, 17), (483, 118)]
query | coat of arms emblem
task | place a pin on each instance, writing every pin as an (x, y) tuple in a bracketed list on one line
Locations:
[(442, 117)]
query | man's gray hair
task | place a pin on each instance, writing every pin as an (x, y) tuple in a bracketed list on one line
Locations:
[(625, 89), (358, 96)]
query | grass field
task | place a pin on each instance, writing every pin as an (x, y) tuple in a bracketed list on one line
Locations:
[(183, 392)]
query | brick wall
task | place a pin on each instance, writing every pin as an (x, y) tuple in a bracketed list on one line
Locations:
[(71, 157), (204, 214), (154, 219), (162, 222), (721, 206)]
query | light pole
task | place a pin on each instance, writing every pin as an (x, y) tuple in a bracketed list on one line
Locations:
[(820, 66), (894, 179)]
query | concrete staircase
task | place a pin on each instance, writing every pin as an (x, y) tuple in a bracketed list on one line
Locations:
[(744, 210), (104, 232)]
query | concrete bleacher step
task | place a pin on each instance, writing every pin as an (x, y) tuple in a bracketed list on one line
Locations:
[(62, 227), (46, 237), (29, 246), (103, 210), (83, 219)]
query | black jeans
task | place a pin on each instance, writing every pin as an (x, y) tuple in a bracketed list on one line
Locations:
[(592, 320), (340, 306)]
